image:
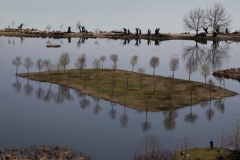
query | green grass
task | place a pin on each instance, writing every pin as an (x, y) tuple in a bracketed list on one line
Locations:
[(169, 93), (203, 154)]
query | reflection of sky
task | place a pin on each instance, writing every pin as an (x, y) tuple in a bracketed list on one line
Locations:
[(27, 120), (105, 14)]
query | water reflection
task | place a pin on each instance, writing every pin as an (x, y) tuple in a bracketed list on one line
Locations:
[(58, 97), (97, 107), (81, 41), (146, 126), (84, 102), (17, 85), (124, 118), (169, 119), (212, 56), (63, 93), (112, 113), (219, 104), (28, 89), (210, 112), (48, 94), (39, 91), (216, 54)]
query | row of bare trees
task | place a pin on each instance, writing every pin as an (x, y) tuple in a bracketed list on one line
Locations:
[(215, 17)]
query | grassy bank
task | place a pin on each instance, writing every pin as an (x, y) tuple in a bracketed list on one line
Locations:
[(203, 154), (135, 90)]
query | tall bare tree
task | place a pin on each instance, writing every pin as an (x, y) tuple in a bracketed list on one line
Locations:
[(218, 17), (205, 71), (96, 64), (134, 61), (78, 26), (48, 65), (211, 84), (13, 24), (28, 63), (39, 64), (102, 58), (195, 20), (114, 58), (17, 62), (174, 64), (190, 67), (154, 62), (234, 139), (58, 67), (64, 60), (61, 26), (48, 27), (81, 63)]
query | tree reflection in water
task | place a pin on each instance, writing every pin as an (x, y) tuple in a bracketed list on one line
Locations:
[(212, 56), (112, 113), (124, 119), (39, 92), (146, 126), (48, 94), (169, 120), (58, 97), (194, 54), (28, 89), (84, 103), (97, 107), (17, 85), (210, 112), (65, 91), (191, 117), (216, 54), (219, 104)]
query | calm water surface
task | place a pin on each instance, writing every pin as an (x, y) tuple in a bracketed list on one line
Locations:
[(33, 113)]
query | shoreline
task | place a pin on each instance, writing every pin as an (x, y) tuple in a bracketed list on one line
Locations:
[(138, 100), (121, 35)]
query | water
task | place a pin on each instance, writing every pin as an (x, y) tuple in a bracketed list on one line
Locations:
[(34, 113), (107, 15)]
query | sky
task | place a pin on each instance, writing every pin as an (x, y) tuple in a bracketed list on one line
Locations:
[(107, 15)]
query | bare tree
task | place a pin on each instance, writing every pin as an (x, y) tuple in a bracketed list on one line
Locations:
[(218, 17), (48, 64), (195, 20), (174, 64), (39, 64), (48, 27), (96, 65), (154, 62), (78, 25), (102, 58), (64, 60), (61, 26), (205, 71), (96, 31), (13, 24), (190, 67), (234, 139), (134, 61), (151, 150), (81, 63), (211, 84), (58, 67), (114, 58), (28, 63), (17, 62), (141, 71)]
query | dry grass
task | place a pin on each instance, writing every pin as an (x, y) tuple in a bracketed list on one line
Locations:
[(124, 88)]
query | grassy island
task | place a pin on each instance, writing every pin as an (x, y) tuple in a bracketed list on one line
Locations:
[(135, 90)]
